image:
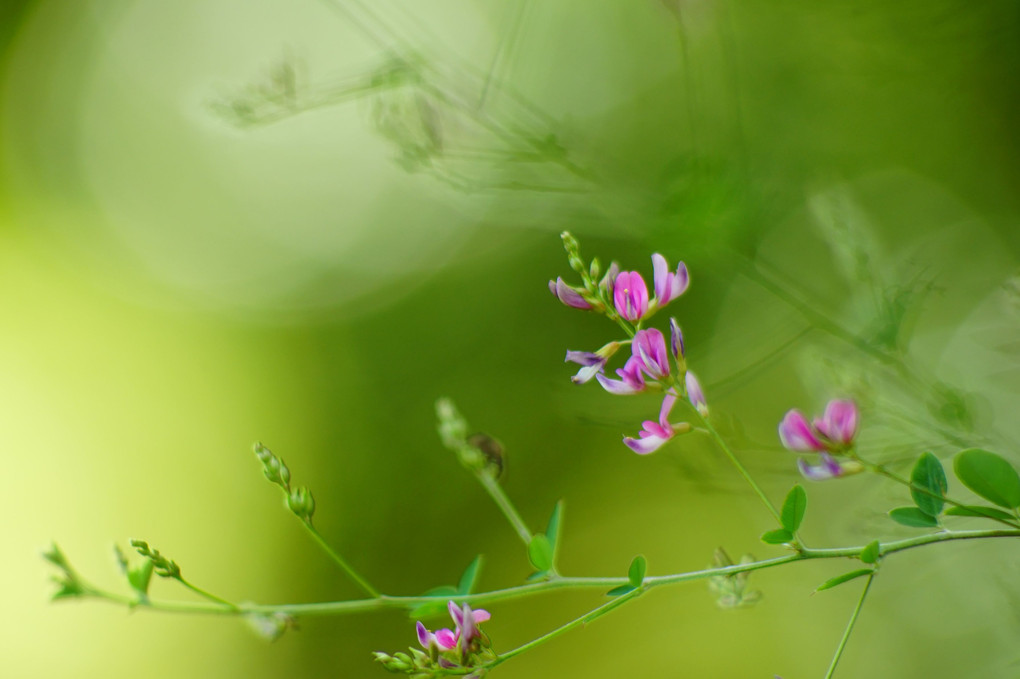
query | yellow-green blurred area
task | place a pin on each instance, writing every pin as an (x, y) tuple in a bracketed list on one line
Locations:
[(224, 221)]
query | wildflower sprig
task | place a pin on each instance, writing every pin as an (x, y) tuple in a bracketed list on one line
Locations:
[(655, 365)]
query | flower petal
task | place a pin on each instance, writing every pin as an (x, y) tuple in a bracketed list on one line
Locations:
[(695, 394), (630, 295), (797, 434), (618, 387), (839, 423), (568, 295), (425, 637), (645, 444), (828, 469), (481, 615), (446, 639), (676, 340)]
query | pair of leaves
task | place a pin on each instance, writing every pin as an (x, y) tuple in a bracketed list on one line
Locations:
[(985, 473), (928, 486), (544, 547), (635, 577), (792, 515)]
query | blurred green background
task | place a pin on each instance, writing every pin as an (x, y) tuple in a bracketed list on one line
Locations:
[(301, 223)]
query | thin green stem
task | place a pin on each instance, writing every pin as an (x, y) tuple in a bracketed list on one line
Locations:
[(382, 601), (588, 617), (721, 443), (340, 561), (849, 628), (208, 595), (501, 499)]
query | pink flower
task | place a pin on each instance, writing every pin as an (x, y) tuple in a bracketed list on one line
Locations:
[(466, 623), (668, 286), (648, 358), (591, 363), (833, 432), (630, 296), (568, 295), (655, 434)]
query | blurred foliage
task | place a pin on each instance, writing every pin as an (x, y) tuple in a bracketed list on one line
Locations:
[(301, 223)]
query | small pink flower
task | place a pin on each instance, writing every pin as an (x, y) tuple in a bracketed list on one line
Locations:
[(668, 286), (797, 434), (648, 358), (833, 432), (630, 296), (655, 434), (568, 295)]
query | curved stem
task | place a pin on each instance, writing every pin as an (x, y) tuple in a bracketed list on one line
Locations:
[(383, 601), (340, 561), (202, 593), (849, 628), (721, 443)]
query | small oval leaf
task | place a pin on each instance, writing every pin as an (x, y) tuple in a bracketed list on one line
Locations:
[(540, 552), (793, 508), (636, 572), (913, 517), (777, 537), (989, 475), (928, 485), (846, 577)]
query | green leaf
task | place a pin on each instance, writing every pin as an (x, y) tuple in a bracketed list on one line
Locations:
[(870, 553), (540, 552), (982, 512), (445, 591), (846, 577), (537, 576), (470, 576), (989, 475), (552, 530), (929, 476), (622, 589), (793, 508), (140, 576), (636, 572), (913, 517), (777, 537)]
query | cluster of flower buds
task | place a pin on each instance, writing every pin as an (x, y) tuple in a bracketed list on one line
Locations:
[(299, 499), (623, 297), (464, 650), (831, 436)]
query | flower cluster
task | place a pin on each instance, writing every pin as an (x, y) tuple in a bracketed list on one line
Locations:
[(623, 297), (831, 436), (465, 649)]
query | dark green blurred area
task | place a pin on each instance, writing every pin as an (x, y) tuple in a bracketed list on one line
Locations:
[(302, 223)]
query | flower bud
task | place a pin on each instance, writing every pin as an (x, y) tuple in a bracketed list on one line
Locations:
[(301, 503)]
